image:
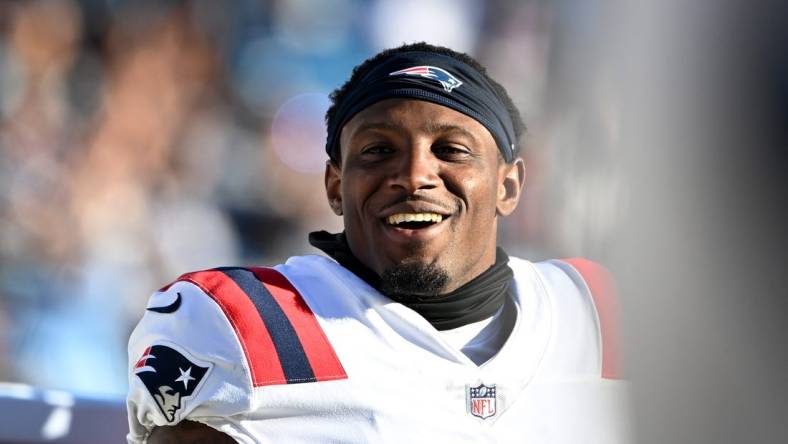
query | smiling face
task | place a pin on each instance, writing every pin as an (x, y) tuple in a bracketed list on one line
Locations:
[(421, 184)]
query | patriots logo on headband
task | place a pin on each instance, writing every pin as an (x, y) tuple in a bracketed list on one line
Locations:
[(448, 81), (170, 377)]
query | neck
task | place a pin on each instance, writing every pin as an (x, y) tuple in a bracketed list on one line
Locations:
[(470, 302)]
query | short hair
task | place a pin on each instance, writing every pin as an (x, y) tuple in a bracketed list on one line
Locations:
[(340, 94)]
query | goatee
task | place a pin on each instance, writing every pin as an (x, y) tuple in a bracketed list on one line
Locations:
[(413, 281)]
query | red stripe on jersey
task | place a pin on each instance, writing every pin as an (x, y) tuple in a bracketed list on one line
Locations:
[(255, 340), (318, 349), (603, 291), (166, 287)]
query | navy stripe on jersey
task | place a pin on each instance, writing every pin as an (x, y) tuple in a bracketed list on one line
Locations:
[(295, 364)]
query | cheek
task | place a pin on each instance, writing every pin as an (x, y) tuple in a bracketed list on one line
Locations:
[(479, 195), (355, 196)]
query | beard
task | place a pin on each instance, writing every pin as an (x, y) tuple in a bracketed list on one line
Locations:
[(414, 281)]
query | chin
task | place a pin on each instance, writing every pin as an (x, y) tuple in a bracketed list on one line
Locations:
[(416, 251), (414, 276)]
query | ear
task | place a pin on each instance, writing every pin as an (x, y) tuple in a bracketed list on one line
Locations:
[(333, 181), (511, 177)]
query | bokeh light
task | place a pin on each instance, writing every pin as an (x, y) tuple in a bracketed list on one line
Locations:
[(298, 132)]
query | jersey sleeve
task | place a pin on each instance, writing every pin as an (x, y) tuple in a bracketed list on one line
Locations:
[(596, 281), (185, 361)]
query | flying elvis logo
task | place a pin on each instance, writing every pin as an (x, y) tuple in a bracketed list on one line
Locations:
[(448, 81), (171, 377)]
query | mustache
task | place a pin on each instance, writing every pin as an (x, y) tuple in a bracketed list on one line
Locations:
[(448, 208)]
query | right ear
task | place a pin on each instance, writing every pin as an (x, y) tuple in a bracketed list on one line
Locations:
[(333, 181)]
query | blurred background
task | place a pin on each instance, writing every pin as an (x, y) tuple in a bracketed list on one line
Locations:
[(143, 139)]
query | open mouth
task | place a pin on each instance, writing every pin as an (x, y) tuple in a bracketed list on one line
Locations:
[(414, 221)]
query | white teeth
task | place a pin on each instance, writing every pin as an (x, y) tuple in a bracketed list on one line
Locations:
[(399, 218)]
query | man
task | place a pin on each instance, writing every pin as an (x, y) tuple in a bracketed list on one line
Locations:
[(420, 328)]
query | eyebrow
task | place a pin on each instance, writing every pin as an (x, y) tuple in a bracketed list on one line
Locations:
[(430, 128)]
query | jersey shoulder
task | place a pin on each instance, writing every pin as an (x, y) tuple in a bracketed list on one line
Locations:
[(597, 286), (208, 339), (583, 304)]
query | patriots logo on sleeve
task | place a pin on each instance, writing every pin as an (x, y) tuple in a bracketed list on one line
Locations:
[(448, 81), (170, 377)]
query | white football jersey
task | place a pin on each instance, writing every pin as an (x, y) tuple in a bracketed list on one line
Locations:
[(308, 352)]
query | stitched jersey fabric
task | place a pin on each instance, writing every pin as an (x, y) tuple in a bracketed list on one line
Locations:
[(307, 352)]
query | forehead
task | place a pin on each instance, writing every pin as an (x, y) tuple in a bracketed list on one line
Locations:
[(415, 116)]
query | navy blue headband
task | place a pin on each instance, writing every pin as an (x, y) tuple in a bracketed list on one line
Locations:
[(433, 78)]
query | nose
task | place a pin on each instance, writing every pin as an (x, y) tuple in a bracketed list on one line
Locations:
[(417, 170)]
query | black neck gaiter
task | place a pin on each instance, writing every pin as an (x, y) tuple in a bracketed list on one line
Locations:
[(478, 299)]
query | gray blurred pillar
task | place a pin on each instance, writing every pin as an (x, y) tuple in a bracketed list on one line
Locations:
[(701, 254)]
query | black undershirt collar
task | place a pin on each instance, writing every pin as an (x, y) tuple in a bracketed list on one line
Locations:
[(478, 299)]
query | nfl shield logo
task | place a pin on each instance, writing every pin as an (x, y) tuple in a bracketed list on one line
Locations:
[(481, 401)]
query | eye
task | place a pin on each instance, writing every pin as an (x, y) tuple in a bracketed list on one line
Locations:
[(377, 150), (451, 151)]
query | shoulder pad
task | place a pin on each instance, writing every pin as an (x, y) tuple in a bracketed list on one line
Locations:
[(209, 338), (184, 361), (597, 281), (281, 338)]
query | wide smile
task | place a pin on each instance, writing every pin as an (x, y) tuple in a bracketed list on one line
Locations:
[(414, 220), (414, 226)]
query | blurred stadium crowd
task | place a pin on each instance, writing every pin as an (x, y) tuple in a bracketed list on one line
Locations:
[(143, 139)]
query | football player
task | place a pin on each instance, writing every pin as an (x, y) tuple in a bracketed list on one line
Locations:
[(417, 327)]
